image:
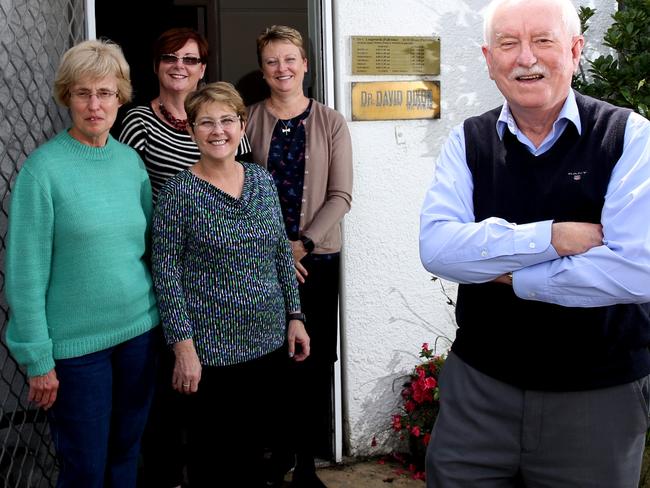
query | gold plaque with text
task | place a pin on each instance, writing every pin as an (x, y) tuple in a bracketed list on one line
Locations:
[(396, 100), (395, 55)]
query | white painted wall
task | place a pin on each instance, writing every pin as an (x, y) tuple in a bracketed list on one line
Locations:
[(389, 305)]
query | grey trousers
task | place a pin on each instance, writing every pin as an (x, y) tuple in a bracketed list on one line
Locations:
[(489, 434)]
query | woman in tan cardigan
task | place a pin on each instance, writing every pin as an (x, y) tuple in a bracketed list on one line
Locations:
[(306, 146)]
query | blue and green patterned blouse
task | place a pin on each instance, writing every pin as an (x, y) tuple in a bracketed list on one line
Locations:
[(223, 267)]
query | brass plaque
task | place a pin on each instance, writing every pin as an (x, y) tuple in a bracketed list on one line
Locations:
[(395, 55), (396, 100)]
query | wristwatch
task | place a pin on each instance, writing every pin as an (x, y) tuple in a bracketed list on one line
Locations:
[(296, 316), (308, 243)]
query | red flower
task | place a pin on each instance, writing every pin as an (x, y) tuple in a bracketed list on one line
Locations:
[(418, 395), (430, 383), (419, 476), (397, 422), (421, 372), (418, 412)]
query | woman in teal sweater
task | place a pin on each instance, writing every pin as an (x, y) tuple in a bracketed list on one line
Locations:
[(77, 281)]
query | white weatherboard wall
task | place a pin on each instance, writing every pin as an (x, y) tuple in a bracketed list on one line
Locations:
[(389, 304)]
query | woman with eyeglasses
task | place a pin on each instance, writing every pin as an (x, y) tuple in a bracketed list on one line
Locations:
[(227, 292), (307, 149), (158, 131), (78, 284)]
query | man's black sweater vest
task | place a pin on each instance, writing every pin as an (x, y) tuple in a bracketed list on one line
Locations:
[(536, 345)]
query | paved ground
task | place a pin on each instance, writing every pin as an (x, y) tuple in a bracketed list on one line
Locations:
[(371, 474), (366, 474)]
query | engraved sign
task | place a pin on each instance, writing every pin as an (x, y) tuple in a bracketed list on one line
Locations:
[(396, 100), (395, 55)]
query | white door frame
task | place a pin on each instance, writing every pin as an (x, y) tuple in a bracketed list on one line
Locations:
[(91, 31), (327, 29)]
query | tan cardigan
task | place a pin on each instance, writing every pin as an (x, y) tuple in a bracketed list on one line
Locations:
[(327, 190)]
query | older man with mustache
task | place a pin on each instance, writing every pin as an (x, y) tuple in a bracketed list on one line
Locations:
[(537, 209)]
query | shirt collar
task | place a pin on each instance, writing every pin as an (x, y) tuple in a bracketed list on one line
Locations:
[(569, 112)]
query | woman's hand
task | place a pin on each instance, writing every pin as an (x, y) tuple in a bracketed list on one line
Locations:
[(298, 335), (187, 368), (301, 272), (299, 252), (43, 389)]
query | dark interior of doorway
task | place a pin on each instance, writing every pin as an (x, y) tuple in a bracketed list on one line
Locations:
[(135, 30), (135, 24)]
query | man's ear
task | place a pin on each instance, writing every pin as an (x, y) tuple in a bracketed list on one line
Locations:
[(485, 49), (577, 44)]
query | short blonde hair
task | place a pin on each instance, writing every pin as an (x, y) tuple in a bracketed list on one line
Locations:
[(94, 59), (219, 92), (281, 33)]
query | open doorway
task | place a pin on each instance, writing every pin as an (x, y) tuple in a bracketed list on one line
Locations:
[(231, 27)]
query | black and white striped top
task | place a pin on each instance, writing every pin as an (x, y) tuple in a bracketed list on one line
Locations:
[(164, 150)]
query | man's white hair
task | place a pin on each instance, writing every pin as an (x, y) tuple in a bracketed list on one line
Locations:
[(569, 16)]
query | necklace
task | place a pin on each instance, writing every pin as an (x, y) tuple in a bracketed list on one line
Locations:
[(180, 124), (286, 128)]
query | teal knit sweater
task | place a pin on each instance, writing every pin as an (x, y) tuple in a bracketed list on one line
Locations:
[(77, 279)]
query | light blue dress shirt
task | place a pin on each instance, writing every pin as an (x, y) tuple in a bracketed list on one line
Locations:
[(455, 247)]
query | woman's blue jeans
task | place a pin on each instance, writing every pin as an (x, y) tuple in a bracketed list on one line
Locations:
[(100, 413)]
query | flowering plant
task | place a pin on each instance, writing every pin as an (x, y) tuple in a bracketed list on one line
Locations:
[(419, 410)]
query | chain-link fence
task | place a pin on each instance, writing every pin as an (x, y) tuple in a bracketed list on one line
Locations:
[(33, 36)]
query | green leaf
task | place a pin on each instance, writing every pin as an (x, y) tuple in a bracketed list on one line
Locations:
[(620, 78)]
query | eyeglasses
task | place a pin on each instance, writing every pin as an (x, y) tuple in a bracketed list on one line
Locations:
[(85, 95), (173, 59), (209, 125)]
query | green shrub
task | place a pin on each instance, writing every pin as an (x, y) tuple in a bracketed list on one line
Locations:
[(622, 79)]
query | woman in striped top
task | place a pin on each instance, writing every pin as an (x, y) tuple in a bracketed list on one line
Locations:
[(158, 131), (228, 294)]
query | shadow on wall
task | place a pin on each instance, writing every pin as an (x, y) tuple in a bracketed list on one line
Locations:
[(466, 88), (383, 399)]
